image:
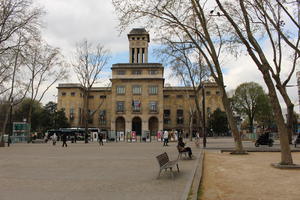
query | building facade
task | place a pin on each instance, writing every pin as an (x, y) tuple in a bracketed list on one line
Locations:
[(138, 99)]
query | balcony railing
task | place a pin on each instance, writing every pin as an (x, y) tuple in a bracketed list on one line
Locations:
[(153, 111)]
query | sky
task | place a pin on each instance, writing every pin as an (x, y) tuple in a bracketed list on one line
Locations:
[(68, 22)]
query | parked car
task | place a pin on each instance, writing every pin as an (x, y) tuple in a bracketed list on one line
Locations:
[(264, 139)]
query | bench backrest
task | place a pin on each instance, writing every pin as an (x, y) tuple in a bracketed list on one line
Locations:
[(162, 159)]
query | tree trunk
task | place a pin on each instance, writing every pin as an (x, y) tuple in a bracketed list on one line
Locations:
[(191, 126), (2, 143), (251, 124), (199, 112), (290, 110), (86, 120), (290, 120), (286, 156), (232, 123)]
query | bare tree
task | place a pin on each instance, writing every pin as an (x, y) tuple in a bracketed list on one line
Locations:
[(249, 20), (19, 23), (44, 67), (88, 64), (17, 16), (192, 18), (15, 86), (187, 64)]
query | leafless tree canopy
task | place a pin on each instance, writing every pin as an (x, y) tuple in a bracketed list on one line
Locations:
[(18, 17), (27, 64), (45, 66), (89, 62)]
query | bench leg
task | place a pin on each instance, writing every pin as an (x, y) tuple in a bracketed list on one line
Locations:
[(177, 167), (158, 174), (172, 174)]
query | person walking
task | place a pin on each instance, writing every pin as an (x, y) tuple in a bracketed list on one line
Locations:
[(64, 140), (166, 138), (197, 140), (54, 139), (100, 139)]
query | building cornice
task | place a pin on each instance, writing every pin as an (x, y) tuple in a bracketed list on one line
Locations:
[(136, 65)]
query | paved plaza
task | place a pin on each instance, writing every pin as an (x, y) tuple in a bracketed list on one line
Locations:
[(87, 171)]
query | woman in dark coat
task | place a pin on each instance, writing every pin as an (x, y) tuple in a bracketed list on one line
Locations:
[(181, 147)]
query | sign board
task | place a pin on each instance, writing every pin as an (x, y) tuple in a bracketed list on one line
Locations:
[(21, 132)]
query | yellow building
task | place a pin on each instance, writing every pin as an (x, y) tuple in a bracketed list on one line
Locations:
[(137, 100)]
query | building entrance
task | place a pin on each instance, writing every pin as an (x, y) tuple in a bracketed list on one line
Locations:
[(120, 124), (153, 125), (137, 125)]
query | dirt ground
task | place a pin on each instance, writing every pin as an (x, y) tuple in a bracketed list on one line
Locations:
[(247, 177)]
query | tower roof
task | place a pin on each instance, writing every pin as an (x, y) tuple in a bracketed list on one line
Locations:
[(139, 31)]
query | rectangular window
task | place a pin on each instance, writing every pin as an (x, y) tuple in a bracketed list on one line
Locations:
[(167, 113), (63, 94), (192, 96), (72, 115), (121, 72), (153, 72), (166, 96), (79, 115), (120, 89), (102, 117), (102, 96), (207, 93), (218, 93), (167, 121), (120, 106), (136, 105), (91, 97), (180, 116), (136, 72), (90, 117), (153, 89), (72, 94), (153, 106), (167, 116), (136, 89), (195, 120), (179, 96)]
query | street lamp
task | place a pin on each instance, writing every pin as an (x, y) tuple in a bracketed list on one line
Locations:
[(203, 110), (10, 122)]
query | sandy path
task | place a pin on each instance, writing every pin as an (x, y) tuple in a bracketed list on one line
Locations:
[(228, 177)]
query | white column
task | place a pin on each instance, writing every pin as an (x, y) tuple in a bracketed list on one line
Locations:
[(130, 55), (135, 55), (146, 55), (145, 124), (128, 125), (141, 55)]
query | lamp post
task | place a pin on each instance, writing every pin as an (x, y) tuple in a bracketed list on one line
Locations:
[(10, 122), (203, 120)]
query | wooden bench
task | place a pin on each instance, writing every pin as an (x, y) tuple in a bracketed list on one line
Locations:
[(165, 163)]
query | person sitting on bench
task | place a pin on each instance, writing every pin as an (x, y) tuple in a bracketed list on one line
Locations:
[(181, 147)]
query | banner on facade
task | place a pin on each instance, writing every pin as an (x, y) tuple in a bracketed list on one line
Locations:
[(159, 134), (133, 135)]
